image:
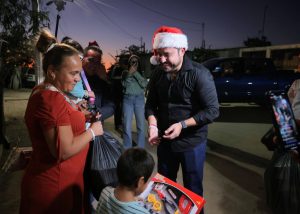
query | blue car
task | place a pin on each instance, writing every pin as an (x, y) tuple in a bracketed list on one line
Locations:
[(247, 79)]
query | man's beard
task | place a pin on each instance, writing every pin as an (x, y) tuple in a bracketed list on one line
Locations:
[(171, 67)]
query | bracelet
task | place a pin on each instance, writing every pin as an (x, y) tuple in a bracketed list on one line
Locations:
[(93, 133), (153, 126)]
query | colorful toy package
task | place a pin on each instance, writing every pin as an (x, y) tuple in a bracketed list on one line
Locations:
[(163, 196)]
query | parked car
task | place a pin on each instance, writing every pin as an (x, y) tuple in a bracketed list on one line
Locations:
[(28, 77), (247, 79)]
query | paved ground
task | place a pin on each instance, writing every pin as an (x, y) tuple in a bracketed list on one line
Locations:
[(234, 168)]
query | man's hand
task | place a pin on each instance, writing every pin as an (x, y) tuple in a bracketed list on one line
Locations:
[(153, 138), (173, 131)]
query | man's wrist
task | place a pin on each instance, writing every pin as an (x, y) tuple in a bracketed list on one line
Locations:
[(153, 126), (183, 124)]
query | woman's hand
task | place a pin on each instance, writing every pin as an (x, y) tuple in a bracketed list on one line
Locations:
[(95, 117), (97, 128), (133, 68), (84, 109), (82, 105), (91, 94), (295, 155)]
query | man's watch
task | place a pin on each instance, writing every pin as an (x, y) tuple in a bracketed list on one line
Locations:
[(183, 124)]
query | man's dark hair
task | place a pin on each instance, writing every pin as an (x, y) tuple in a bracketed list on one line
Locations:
[(133, 164)]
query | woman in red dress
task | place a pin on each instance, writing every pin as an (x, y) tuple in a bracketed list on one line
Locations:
[(53, 181)]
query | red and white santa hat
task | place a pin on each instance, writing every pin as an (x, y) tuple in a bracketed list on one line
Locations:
[(167, 37)]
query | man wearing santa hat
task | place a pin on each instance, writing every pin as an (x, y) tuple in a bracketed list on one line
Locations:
[(181, 101)]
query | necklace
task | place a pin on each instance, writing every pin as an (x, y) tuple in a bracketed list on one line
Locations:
[(53, 88)]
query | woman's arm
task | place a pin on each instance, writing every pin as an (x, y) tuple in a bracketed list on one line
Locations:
[(70, 145)]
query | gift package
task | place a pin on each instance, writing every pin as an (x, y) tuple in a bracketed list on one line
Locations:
[(164, 196)]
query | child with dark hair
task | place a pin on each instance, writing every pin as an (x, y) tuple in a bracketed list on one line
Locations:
[(134, 168)]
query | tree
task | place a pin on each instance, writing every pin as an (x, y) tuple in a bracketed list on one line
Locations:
[(18, 24), (257, 42), (132, 49)]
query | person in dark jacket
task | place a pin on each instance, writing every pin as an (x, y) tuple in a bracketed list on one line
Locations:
[(181, 101), (98, 80)]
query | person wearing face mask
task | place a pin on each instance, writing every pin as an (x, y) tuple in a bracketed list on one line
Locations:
[(134, 85), (181, 102), (53, 180)]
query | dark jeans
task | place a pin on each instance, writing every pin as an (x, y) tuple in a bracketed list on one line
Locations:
[(192, 164)]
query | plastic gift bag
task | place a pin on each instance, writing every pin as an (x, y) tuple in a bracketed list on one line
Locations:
[(102, 164), (282, 183)]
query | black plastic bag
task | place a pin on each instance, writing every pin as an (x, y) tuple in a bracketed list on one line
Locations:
[(102, 164), (282, 183)]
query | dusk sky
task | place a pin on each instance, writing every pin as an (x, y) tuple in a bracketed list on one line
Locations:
[(116, 24)]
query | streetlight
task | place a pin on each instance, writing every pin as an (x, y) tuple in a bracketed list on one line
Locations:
[(60, 5)]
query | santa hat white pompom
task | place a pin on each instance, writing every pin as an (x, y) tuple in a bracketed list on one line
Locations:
[(154, 60), (167, 37)]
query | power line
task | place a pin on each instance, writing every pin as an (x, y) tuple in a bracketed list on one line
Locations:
[(105, 4), (162, 14), (116, 24)]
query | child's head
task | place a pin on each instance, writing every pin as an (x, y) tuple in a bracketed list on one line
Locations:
[(134, 168)]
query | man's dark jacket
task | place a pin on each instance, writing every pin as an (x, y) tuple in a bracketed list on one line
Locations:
[(191, 94)]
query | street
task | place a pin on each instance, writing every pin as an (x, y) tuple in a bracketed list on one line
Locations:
[(236, 160)]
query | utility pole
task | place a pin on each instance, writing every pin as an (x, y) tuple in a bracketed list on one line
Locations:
[(264, 20), (60, 5), (3, 139), (142, 45), (203, 40), (38, 56), (57, 23)]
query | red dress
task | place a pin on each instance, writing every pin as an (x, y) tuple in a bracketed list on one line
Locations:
[(50, 186)]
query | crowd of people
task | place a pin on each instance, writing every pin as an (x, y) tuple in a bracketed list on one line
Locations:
[(66, 112)]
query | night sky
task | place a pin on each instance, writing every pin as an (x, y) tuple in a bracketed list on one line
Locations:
[(116, 24)]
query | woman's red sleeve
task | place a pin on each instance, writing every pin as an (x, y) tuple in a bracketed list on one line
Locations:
[(53, 110)]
